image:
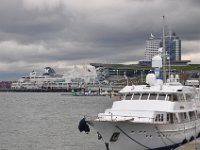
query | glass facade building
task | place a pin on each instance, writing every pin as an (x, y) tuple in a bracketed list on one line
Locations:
[(172, 47), (152, 46)]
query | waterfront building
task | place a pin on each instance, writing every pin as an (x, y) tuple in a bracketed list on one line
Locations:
[(116, 72), (152, 45), (172, 47)]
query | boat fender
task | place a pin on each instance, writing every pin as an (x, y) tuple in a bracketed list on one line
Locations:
[(184, 141), (192, 138), (198, 135), (83, 126)]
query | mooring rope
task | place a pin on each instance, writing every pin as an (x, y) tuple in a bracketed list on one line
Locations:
[(160, 133), (165, 136), (132, 138)]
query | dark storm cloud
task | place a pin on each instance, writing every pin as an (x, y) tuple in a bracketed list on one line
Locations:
[(57, 33), (30, 26)]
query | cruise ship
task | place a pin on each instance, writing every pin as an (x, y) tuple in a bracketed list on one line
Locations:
[(47, 80), (50, 80)]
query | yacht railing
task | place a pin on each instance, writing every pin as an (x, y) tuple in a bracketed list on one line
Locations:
[(116, 118)]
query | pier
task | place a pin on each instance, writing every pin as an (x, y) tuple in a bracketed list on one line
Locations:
[(194, 145)]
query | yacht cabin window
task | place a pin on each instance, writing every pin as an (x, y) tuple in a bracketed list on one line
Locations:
[(174, 97), (192, 115), (168, 117), (128, 96), (159, 118), (136, 96), (145, 96), (153, 96), (161, 96), (172, 118), (171, 97), (188, 97), (181, 97), (183, 117)]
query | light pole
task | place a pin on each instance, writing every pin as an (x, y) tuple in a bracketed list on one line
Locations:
[(126, 78), (117, 75)]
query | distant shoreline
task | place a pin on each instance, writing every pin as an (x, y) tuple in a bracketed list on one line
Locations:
[(34, 90)]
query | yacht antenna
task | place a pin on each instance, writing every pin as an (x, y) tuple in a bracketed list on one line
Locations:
[(169, 54), (169, 67), (164, 52)]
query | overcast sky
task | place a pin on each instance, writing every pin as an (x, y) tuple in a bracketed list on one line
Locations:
[(60, 33)]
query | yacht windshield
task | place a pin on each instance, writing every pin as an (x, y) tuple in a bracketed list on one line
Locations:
[(144, 96), (152, 96), (136, 96)]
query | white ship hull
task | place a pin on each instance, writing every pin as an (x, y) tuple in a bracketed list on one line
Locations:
[(144, 136)]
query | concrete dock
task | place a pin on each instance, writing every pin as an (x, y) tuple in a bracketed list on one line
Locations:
[(194, 145)]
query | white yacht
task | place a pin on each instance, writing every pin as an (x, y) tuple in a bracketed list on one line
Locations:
[(153, 116), (163, 114)]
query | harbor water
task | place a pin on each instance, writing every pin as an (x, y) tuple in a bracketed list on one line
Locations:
[(48, 121)]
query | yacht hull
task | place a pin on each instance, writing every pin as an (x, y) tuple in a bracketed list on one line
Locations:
[(144, 136)]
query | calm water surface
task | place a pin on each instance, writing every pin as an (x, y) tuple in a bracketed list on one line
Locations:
[(47, 121)]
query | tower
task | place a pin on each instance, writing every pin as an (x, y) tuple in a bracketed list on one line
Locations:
[(173, 46), (152, 46)]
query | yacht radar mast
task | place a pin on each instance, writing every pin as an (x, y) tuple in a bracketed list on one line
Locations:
[(164, 52)]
